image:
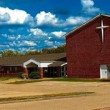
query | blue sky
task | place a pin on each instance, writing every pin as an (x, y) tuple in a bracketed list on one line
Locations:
[(37, 24)]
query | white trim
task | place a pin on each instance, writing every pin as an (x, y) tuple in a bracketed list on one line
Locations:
[(31, 61), (86, 23), (64, 64), (44, 64)]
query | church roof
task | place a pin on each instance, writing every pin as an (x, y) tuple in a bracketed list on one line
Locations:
[(58, 62), (19, 60), (89, 21)]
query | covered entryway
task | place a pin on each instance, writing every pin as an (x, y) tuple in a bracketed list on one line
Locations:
[(104, 71), (32, 67), (56, 69), (51, 72), (63, 71)]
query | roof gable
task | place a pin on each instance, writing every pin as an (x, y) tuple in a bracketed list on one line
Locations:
[(86, 23)]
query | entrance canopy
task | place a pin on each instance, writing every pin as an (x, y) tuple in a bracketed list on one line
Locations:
[(58, 64), (31, 63)]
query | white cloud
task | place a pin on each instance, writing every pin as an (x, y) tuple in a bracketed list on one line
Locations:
[(4, 46), (49, 37), (4, 35), (75, 20), (11, 37), (9, 16), (87, 3), (38, 32), (58, 43), (93, 10), (23, 49), (49, 43), (18, 37), (29, 43), (88, 6), (59, 34), (13, 43), (50, 19), (44, 18)]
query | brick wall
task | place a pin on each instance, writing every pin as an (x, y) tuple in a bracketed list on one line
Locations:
[(85, 51)]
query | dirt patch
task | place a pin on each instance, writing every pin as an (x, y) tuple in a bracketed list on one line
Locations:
[(101, 98), (106, 108)]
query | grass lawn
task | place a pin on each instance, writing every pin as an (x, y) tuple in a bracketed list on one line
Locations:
[(80, 79), (25, 81), (54, 79), (76, 79), (6, 78), (16, 80)]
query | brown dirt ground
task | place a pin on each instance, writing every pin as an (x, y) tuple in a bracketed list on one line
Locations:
[(99, 101)]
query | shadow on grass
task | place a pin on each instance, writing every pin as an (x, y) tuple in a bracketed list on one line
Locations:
[(25, 81), (44, 97)]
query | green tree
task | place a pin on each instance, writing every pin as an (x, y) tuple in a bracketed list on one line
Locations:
[(32, 52), (9, 53)]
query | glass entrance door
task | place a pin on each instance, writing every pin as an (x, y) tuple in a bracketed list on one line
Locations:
[(63, 71)]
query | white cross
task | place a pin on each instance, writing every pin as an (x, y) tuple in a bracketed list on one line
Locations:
[(102, 27)]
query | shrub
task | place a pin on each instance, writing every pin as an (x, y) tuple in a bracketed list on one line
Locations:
[(34, 75), (22, 75)]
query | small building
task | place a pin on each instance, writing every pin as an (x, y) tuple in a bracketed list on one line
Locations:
[(88, 49), (49, 65)]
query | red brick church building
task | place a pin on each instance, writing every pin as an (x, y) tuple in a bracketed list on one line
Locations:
[(87, 55), (88, 49)]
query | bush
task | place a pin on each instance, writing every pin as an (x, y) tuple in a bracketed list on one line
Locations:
[(34, 75), (22, 75)]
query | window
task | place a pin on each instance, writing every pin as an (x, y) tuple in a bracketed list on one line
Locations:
[(7, 71), (10, 69), (16, 69), (62, 68)]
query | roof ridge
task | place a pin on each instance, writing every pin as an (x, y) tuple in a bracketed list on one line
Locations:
[(87, 22)]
